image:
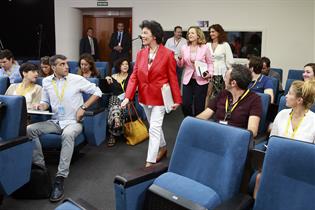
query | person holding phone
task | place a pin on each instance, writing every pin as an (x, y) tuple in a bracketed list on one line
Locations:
[(195, 85)]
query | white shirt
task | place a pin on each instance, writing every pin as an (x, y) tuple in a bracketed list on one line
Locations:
[(222, 58), (72, 100), (175, 46), (13, 73), (305, 132), (92, 45)]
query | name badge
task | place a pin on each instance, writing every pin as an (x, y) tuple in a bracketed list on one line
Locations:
[(121, 96), (223, 122), (61, 111)]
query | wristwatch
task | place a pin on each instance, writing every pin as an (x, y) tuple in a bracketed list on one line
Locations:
[(83, 107)]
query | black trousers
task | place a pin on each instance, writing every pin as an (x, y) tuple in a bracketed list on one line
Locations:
[(194, 97)]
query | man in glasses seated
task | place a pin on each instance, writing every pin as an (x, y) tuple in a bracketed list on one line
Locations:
[(236, 105)]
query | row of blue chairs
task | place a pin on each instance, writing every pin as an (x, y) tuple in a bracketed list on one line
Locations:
[(207, 168)]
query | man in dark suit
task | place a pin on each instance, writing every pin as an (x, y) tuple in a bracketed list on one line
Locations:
[(89, 44), (120, 43)]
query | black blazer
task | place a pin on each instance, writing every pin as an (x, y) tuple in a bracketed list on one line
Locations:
[(125, 44), (85, 47)]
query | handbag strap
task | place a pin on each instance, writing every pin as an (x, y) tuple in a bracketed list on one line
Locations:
[(132, 106)]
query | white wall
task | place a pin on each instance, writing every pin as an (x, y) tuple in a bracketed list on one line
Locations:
[(288, 25)]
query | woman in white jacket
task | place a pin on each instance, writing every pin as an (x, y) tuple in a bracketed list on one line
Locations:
[(222, 58)]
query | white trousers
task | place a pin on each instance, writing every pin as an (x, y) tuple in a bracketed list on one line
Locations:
[(155, 116)]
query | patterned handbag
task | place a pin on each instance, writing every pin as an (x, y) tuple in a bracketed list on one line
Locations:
[(135, 131)]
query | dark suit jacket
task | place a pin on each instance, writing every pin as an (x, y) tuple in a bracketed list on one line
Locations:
[(85, 47), (125, 44)]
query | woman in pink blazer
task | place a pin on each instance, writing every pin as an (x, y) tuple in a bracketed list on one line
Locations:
[(195, 86), (155, 66)]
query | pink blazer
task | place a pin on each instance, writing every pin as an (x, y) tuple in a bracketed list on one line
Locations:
[(203, 54)]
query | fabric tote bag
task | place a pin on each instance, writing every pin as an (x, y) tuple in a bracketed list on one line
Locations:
[(135, 131)]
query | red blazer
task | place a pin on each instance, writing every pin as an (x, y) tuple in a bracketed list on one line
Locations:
[(150, 81)]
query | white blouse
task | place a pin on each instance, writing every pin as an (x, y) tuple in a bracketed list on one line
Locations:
[(222, 58), (305, 132), (31, 97)]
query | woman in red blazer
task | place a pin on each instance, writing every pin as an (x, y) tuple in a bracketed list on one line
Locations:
[(155, 66), (195, 86)]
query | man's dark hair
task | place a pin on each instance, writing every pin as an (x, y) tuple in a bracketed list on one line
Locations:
[(6, 54), (266, 61), (26, 67), (255, 63), (176, 27), (155, 28), (242, 75), (52, 59)]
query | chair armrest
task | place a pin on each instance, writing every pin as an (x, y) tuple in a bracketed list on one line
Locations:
[(93, 112), (158, 191), (13, 142), (140, 175), (80, 203), (238, 202)]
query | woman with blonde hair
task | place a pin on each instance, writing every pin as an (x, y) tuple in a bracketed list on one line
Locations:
[(297, 122), (195, 85)]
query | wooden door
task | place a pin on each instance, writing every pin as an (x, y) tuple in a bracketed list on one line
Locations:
[(103, 29)]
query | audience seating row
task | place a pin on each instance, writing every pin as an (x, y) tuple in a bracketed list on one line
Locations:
[(205, 173)]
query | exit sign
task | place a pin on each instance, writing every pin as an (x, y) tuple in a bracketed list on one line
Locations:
[(102, 3)]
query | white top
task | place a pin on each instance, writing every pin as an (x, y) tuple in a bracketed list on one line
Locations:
[(73, 86), (175, 46), (31, 97), (222, 58), (305, 132)]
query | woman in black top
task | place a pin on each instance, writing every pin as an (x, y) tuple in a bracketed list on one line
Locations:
[(118, 84)]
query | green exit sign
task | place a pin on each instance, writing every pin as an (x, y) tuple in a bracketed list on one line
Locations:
[(102, 3)]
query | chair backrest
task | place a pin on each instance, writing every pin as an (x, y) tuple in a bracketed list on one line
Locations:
[(288, 180), (212, 154), (4, 84), (279, 71), (39, 81), (282, 103), (275, 86), (288, 85), (73, 65), (35, 62), (13, 121), (296, 74), (265, 101), (102, 64), (102, 71)]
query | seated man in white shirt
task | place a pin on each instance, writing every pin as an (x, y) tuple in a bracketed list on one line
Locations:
[(9, 67), (62, 92)]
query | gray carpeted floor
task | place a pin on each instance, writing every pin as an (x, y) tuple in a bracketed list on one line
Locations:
[(91, 176)]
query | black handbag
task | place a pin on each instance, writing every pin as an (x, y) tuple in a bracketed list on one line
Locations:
[(38, 187)]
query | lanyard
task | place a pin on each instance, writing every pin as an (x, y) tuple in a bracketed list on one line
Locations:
[(259, 78), (60, 97), (228, 111), (177, 42), (294, 130), (23, 91), (122, 83)]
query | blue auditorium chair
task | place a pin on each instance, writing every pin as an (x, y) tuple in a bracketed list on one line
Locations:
[(288, 85), (279, 71), (80, 204), (35, 62), (275, 88), (15, 148), (94, 127), (262, 135), (288, 180), (282, 105), (206, 168), (103, 67), (295, 74), (73, 65), (4, 84)]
